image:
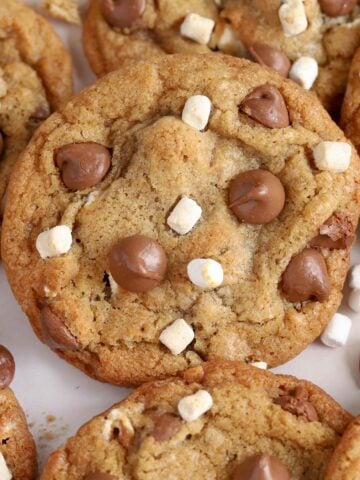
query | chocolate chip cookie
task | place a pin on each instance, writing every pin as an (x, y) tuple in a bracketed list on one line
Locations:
[(17, 448), (221, 420), (350, 116), (35, 78), (345, 462), (182, 218)]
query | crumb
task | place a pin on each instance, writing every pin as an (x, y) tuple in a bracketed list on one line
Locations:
[(67, 10), (50, 418)]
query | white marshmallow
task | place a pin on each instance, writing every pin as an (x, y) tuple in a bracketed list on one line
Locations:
[(5, 473), (54, 242), (194, 406), (184, 216), (337, 332), (177, 336), (355, 277), (261, 365), (304, 72), (332, 156), (354, 300), (197, 111), (117, 418), (292, 16), (197, 28), (205, 273)]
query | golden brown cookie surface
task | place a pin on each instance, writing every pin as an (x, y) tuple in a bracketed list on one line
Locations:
[(350, 117), (118, 267)]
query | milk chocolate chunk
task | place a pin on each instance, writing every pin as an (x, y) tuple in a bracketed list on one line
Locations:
[(337, 8), (7, 367), (306, 277), (122, 13), (138, 263), (165, 427), (337, 233), (297, 403), (54, 331), (2, 144), (256, 196), (261, 467), (83, 165), (266, 105), (271, 57)]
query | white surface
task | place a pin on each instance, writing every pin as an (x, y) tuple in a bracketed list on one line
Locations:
[(46, 385)]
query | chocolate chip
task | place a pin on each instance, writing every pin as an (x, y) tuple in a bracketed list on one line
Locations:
[(2, 144), (122, 13), (271, 57), (165, 427), (7, 367), (297, 403), (337, 8), (41, 113), (256, 196), (337, 233), (138, 263), (100, 476), (54, 331), (261, 467), (306, 277), (83, 165), (266, 105)]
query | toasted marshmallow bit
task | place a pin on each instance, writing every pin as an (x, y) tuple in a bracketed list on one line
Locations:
[(117, 419), (337, 332), (354, 300), (293, 18), (261, 365), (304, 72), (332, 156), (205, 273), (197, 28), (177, 336), (184, 216), (54, 242), (197, 111), (355, 277), (194, 406), (229, 43), (5, 473)]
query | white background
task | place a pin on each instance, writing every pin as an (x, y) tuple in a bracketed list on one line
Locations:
[(46, 385)]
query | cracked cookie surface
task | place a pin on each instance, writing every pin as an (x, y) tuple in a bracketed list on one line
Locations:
[(61, 277), (145, 437)]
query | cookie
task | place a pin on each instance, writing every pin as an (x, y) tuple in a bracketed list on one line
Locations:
[(319, 38), (17, 448), (350, 118), (221, 420), (115, 31), (35, 78), (182, 218), (345, 462)]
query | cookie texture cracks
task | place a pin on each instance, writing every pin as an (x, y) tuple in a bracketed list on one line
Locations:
[(127, 274)]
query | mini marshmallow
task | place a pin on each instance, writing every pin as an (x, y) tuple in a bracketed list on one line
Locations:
[(194, 406), (184, 216), (205, 273), (177, 336), (337, 332), (197, 28), (197, 111), (304, 72), (355, 277), (5, 473), (354, 300), (292, 16), (54, 242), (332, 156), (261, 365), (117, 418)]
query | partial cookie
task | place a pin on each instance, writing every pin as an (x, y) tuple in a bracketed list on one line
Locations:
[(67, 10), (117, 30), (182, 217), (17, 448), (345, 463), (319, 37), (350, 117), (35, 78), (220, 421)]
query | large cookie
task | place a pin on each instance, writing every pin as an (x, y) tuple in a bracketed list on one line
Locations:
[(220, 421), (350, 116), (345, 463), (17, 448), (35, 78), (156, 221)]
